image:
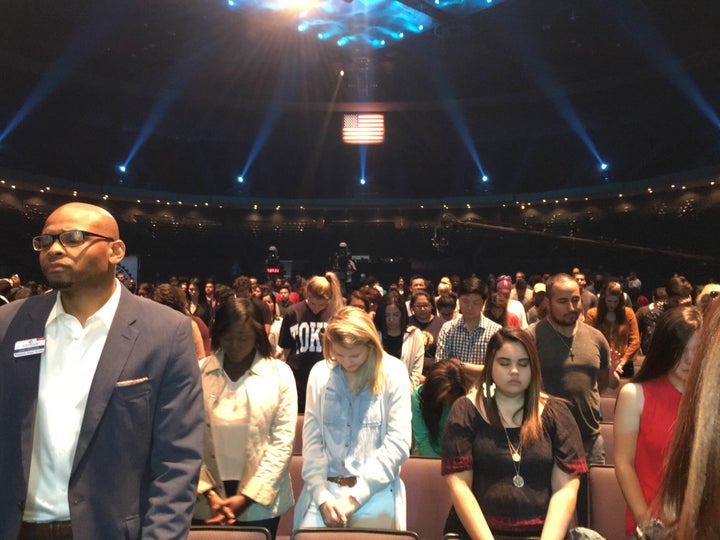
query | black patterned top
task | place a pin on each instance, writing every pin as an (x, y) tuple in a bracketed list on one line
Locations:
[(470, 443)]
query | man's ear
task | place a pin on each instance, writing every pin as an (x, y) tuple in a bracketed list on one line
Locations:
[(118, 251)]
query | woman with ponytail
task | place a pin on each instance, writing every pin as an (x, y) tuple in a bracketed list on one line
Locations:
[(300, 333)]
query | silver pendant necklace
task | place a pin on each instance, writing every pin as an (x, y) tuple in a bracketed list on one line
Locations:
[(516, 456)]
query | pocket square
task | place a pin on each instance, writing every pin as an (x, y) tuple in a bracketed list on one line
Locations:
[(131, 382)]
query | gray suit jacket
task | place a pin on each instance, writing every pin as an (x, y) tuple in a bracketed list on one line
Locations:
[(139, 451)]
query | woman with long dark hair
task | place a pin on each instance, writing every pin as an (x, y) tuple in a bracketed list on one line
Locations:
[(496, 309), (647, 408), (399, 339), (618, 324), (689, 495), (512, 455), (431, 403), (251, 412)]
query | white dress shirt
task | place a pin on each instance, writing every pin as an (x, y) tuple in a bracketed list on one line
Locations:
[(67, 368)]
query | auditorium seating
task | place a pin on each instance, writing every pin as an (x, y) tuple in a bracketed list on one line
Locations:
[(207, 532), (297, 446), (353, 534), (607, 406), (613, 392), (285, 527), (606, 503), (428, 498), (606, 430)]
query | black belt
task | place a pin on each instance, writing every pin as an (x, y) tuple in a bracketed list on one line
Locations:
[(40, 531), (345, 481)]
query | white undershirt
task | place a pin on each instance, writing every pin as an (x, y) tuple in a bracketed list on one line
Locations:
[(230, 421), (67, 368)]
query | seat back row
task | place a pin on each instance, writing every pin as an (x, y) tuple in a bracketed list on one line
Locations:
[(428, 498)]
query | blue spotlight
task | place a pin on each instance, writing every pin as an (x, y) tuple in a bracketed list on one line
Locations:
[(284, 89), (231, 3), (240, 179), (604, 166), (363, 162), (485, 178), (440, 80), (122, 168), (75, 53)]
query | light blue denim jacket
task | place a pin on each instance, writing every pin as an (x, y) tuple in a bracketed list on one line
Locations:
[(362, 435)]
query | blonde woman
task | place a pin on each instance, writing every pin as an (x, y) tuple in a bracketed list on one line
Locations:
[(357, 431), (302, 326)]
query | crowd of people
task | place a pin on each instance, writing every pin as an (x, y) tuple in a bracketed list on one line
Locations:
[(500, 379)]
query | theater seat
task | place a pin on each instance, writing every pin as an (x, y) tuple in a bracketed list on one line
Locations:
[(606, 430), (606, 504), (353, 534), (428, 497), (607, 405), (286, 520), (297, 445), (207, 532)]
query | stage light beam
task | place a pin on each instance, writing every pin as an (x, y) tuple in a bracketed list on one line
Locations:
[(84, 41)]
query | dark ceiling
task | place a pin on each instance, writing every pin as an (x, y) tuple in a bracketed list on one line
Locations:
[(214, 78)]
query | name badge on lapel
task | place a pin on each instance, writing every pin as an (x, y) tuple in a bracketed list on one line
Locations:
[(28, 347)]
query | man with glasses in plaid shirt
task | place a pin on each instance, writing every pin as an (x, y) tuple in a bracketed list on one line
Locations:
[(464, 340)]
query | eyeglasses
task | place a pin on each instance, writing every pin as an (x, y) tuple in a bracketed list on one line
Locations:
[(422, 306), (66, 238)]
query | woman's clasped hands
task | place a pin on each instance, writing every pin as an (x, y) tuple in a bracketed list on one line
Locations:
[(224, 510), (335, 513)]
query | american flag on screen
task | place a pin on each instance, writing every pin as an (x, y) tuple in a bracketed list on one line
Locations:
[(363, 128)]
